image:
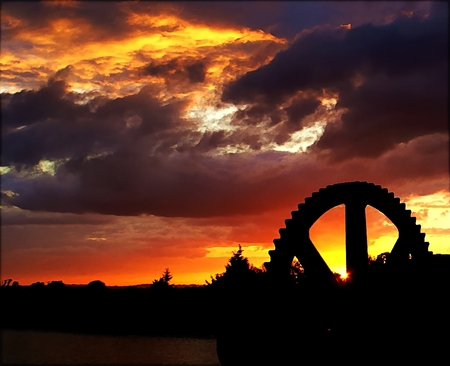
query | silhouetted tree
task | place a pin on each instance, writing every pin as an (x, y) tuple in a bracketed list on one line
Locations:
[(297, 273), (382, 258), (7, 282), (238, 270), (163, 281), (237, 264), (15, 284), (379, 260), (166, 276), (377, 265)]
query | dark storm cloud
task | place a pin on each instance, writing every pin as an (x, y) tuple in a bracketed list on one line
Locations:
[(421, 159), (287, 18), (300, 108), (255, 115), (195, 185), (382, 113), (304, 65), (28, 107), (194, 71), (276, 122), (17, 217), (18, 77), (161, 69), (325, 58), (49, 124), (126, 184), (256, 15), (209, 141), (298, 15), (402, 67)]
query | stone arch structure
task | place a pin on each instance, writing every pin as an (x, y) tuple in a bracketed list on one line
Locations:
[(294, 239)]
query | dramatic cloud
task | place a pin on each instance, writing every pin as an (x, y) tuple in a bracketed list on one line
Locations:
[(386, 77), (382, 113), (107, 56), (16, 217), (50, 125), (130, 183), (195, 72)]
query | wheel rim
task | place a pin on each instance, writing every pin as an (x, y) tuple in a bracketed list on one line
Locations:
[(294, 239)]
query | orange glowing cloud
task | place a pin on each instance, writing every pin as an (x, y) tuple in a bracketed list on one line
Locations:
[(98, 62)]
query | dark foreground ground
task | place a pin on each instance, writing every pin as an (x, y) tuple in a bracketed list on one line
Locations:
[(405, 319), (170, 312)]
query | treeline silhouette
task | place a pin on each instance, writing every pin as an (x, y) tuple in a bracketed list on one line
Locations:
[(158, 309), (398, 311)]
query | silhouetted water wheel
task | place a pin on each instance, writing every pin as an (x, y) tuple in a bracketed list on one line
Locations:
[(294, 240), (317, 326)]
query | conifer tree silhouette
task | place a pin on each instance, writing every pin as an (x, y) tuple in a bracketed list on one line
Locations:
[(238, 271), (163, 281)]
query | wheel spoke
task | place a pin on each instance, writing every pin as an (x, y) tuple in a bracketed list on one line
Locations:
[(356, 238)]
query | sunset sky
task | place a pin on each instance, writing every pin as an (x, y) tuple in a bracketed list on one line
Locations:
[(141, 135)]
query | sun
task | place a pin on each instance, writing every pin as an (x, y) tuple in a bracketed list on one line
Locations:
[(344, 276)]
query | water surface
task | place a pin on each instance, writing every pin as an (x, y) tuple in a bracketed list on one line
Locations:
[(36, 347)]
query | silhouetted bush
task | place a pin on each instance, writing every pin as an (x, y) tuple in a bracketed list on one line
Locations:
[(96, 285), (56, 285)]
